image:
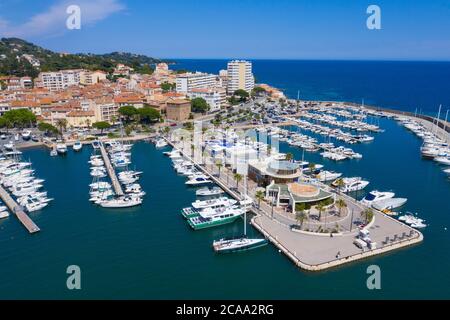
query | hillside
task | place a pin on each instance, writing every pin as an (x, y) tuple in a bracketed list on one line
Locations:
[(19, 57)]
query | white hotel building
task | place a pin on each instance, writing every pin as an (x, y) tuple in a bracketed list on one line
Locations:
[(240, 76), (188, 81)]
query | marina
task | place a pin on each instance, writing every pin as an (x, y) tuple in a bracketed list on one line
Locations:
[(166, 212), (389, 234)]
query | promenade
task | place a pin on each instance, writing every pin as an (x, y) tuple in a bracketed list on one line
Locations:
[(309, 250)]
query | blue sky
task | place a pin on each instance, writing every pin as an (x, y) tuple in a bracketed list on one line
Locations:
[(264, 29)]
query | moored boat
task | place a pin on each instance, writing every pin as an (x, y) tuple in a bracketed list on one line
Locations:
[(77, 146), (237, 244)]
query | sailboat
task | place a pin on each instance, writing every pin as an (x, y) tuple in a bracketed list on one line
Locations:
[(229, 245)]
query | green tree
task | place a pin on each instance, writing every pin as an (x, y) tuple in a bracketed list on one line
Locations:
[(260, 196), (47, 128), (5, 123), (128, 112), (340, 203), (367, 215), (320, 207), (166, 86), (311, 167), (242, 94), (219, 166), (20, 117), (237, 178), (301, 216), (62, 125), (258, 91), (199, 105), (339, 184), (128, 130), (148, 114), (101, 125), (289, 156)]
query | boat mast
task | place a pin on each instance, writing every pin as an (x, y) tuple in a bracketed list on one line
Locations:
[(245, 209), (437, 120), (445, 124)]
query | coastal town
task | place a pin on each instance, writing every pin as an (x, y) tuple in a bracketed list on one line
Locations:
[(223, 128)]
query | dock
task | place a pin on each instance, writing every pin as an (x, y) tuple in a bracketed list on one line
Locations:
[(18, 211), (314, 251), (111, 172)]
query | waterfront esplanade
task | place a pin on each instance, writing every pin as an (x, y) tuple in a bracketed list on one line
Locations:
[(279, 171)]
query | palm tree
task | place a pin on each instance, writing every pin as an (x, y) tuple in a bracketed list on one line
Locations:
[(166, 130), (289, 156), (320, 207), (113, 120), (88, 123), (340, 203), (260, 196), (269, 150), (238, 179), (367, 215), (219, 166), (339, 184), (301, 217), (62, 125), (312, 167)]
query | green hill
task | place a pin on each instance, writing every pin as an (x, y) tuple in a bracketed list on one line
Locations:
[(13, 62)]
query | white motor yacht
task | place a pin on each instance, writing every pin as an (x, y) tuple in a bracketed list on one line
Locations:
[(375, 196), (197, 180), (96, 144), (161, 143), (77, 146), (325, 175), (350, 184), (9, 146), (61, 148), (209, 192), (26, 135), (389, 204)]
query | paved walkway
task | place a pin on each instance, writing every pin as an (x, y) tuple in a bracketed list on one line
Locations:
[(313, 251)]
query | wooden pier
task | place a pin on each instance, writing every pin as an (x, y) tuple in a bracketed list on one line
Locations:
[(18, 211), (111, 172)]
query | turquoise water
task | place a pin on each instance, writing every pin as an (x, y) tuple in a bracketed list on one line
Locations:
[(150, 252)]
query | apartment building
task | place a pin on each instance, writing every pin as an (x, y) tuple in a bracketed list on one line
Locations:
[(215, 97), (188, 81), (240, 76), (105, 110), (59, 80), (92, 77)]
